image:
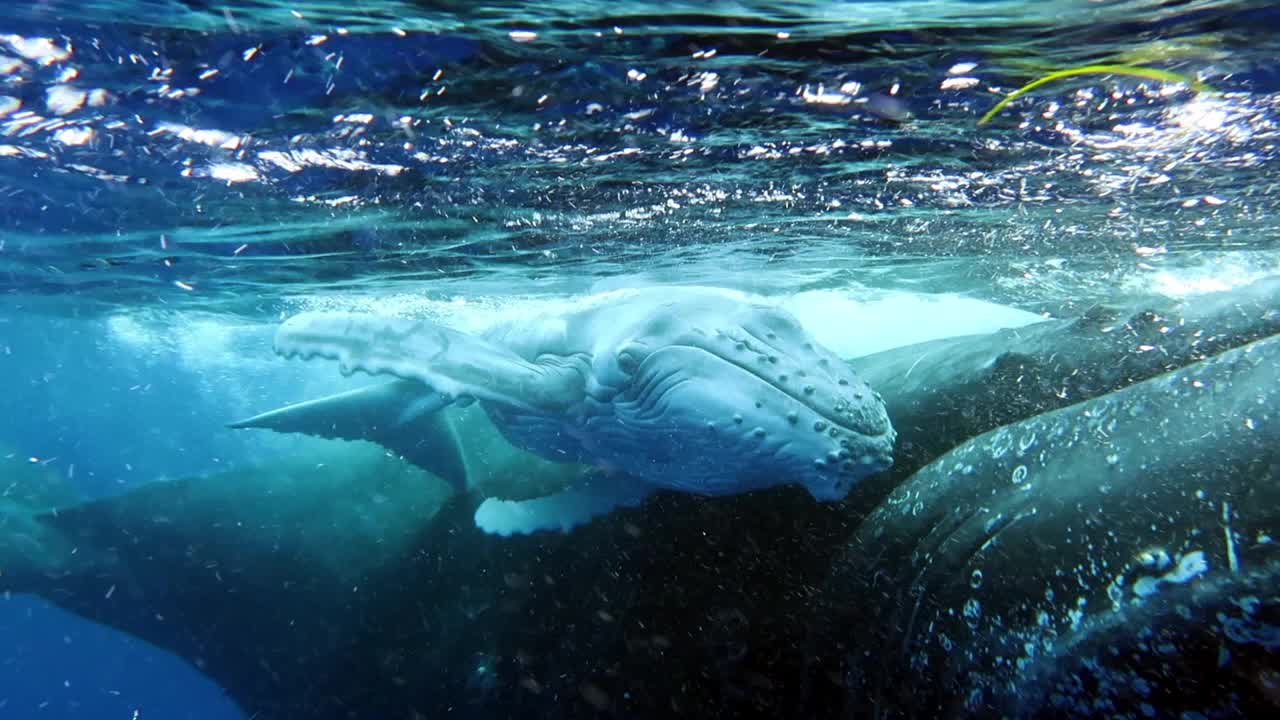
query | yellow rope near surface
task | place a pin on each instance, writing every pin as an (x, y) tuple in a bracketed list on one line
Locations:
[(1131, 70)]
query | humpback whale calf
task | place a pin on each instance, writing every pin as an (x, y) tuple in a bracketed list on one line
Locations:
[(694, 389), (339, 588)]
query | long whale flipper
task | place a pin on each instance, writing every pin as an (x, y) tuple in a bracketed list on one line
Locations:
[(452, 363), (402, 416), (587, 499)]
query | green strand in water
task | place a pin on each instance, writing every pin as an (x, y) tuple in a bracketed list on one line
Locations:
[(1131, 70)]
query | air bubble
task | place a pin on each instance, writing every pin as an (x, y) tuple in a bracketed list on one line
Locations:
[(1026, 442), (1000, 444), (1019, 474), (975, 579)]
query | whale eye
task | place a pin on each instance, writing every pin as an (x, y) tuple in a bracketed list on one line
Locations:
[(627, 361)]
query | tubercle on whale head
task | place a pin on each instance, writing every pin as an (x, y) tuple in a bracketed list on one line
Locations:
[(836, 475), (785, 409)]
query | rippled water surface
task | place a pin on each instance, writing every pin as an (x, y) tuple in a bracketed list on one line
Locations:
[(228, 155)]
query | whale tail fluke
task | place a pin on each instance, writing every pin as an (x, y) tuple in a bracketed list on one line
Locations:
[(29, 550)]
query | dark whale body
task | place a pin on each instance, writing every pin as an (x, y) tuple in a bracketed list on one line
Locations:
[(1112, 553)]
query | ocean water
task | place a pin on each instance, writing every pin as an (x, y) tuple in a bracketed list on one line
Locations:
[(178, 177)]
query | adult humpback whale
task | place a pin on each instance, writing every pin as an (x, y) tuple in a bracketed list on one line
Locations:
[(1113, 557), (333, 593), (694, 389), (940, 392)]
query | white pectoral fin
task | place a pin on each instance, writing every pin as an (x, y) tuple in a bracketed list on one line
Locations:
[(564, 510), (450, 362), (402, 416)]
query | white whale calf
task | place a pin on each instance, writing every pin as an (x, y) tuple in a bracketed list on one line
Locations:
[(693, 389)]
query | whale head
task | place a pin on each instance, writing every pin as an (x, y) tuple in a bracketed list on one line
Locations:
[(721, 394)]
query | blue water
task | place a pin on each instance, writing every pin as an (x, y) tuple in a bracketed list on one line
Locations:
[(177, 176)]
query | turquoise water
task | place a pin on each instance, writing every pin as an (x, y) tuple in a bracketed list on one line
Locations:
[(176, 177)]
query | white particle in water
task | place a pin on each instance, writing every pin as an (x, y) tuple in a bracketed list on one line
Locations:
[(64, 99), (1155, 558), (958, 83), (73, 135), (1189, 566)]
